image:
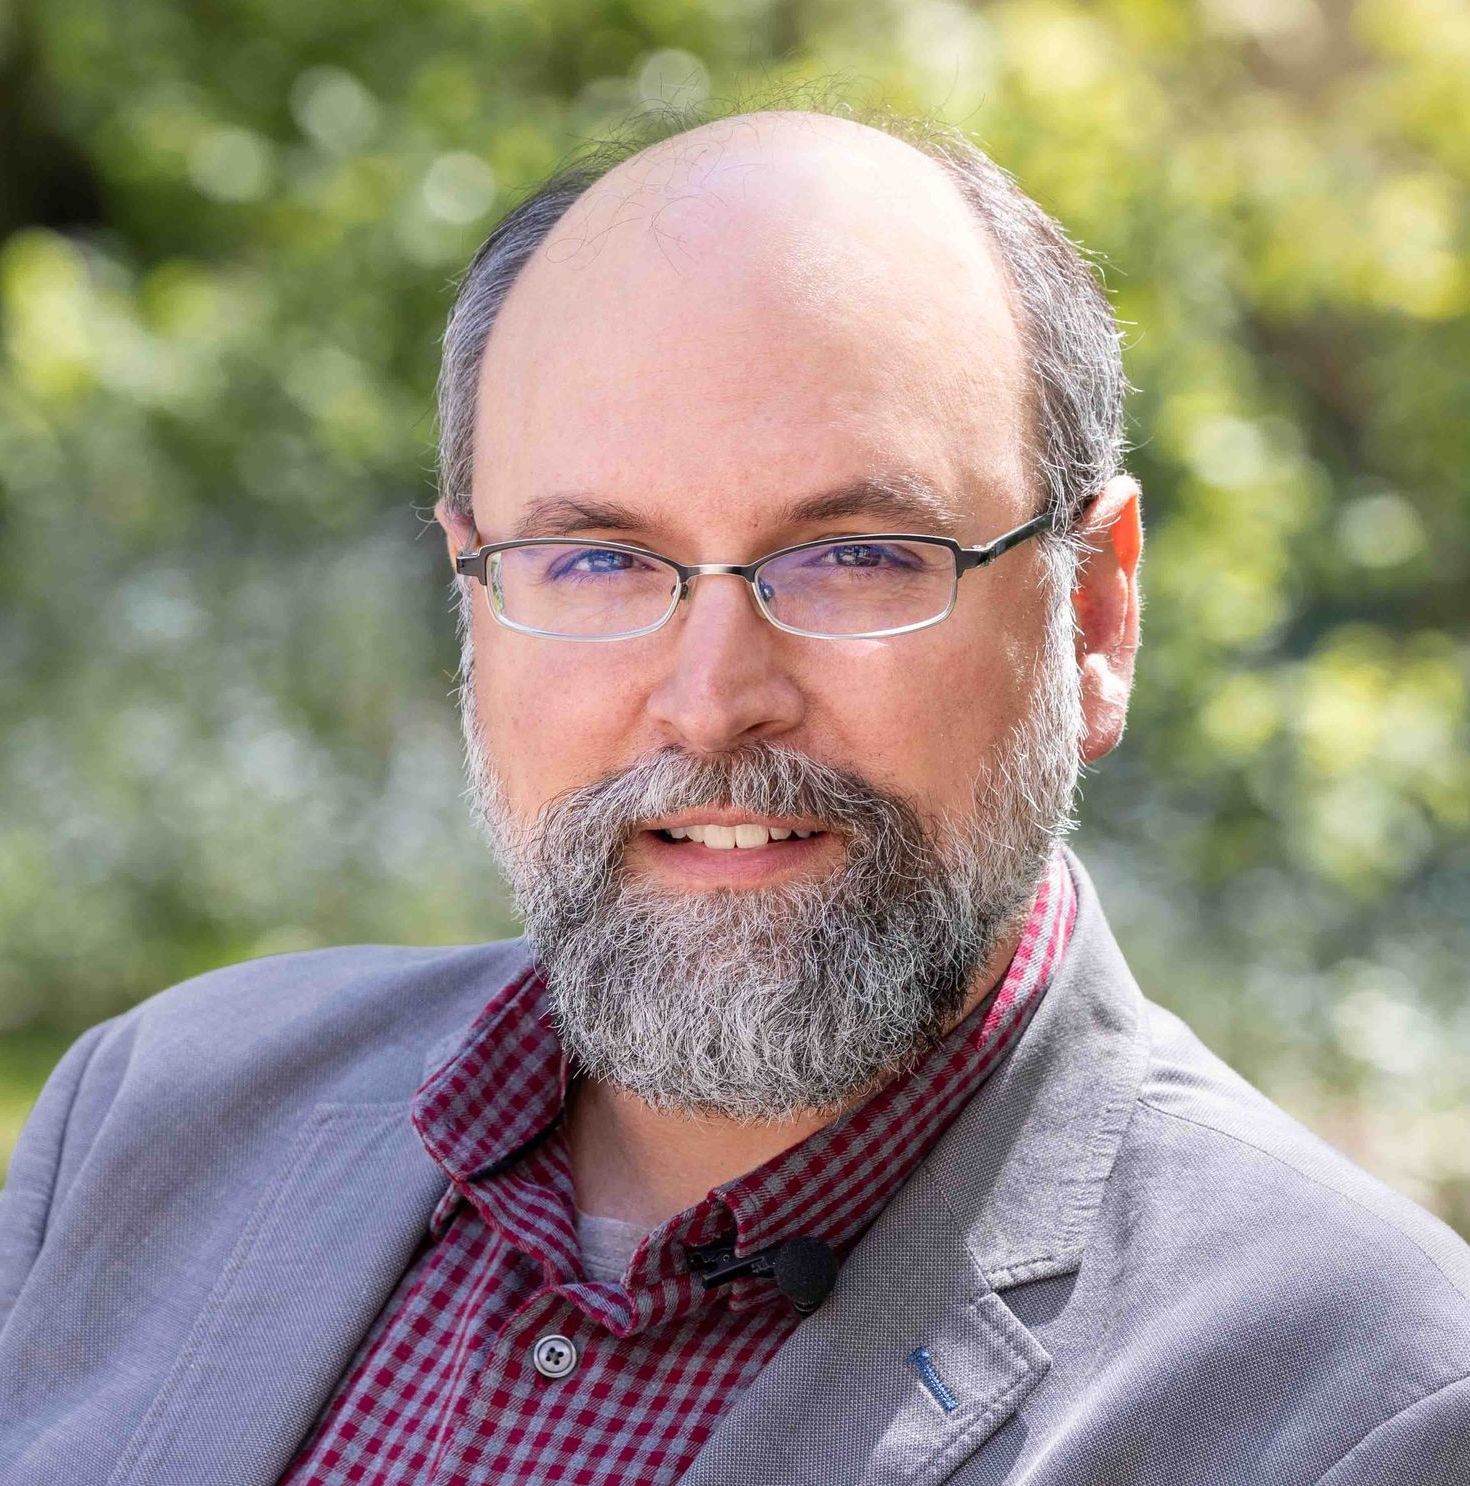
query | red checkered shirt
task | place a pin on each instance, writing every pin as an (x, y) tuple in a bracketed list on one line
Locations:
[(444, 1389)]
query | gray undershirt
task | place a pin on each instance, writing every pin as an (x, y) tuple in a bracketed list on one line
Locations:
[(607, 1245)]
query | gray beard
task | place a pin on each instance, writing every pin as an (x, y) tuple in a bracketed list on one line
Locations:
[(763, 1005)]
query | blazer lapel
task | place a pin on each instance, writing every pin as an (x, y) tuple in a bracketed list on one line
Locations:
[(320, 1255), (914, 1360), (908, 1367)]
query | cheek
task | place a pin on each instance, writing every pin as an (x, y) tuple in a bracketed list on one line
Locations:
[(937, 710), (914, 713), (552, 715), (1000, 626)]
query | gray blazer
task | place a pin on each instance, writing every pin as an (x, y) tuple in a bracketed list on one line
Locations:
[(1129, 1267)]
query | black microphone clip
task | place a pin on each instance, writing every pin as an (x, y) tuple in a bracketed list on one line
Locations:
[(804, 1268)]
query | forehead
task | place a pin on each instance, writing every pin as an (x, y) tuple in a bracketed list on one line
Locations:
[(752, 314)]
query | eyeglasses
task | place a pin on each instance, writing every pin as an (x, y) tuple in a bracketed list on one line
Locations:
[(835, 588)]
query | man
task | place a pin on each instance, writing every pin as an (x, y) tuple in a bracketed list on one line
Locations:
[(816, 1131)]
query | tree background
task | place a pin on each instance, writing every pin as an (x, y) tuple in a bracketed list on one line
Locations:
[(229, 235)]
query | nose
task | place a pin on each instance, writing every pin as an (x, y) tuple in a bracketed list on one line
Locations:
[(727, 680)]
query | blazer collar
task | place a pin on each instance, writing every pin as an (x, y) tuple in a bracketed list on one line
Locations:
[(1028, 1161)]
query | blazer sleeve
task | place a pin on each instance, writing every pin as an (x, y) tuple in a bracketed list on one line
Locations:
[(1425, 1444), (29, 1192)]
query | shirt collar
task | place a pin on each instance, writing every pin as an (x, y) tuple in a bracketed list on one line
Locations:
[(501, 1091)]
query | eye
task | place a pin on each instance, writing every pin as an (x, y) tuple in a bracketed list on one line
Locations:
[(865, 555), (857, 555), (594, 562)]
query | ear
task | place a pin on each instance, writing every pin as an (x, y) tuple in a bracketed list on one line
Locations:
[(1105, 603), (459, 531)]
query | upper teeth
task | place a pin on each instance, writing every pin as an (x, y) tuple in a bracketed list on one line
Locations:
[(722, 838)]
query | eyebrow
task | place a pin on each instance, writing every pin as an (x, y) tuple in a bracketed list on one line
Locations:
[(908, 501)]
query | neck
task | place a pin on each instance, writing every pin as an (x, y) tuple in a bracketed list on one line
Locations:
[(636, 1163)]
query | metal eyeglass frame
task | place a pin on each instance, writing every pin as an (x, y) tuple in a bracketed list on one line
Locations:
[(476, 564)]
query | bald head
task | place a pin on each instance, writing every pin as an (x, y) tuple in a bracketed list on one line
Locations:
[(809, 206)]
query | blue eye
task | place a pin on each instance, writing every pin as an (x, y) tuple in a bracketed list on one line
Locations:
[(602, 563), (865, 555), (857, 555)]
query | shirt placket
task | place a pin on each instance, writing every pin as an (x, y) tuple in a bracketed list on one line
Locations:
[(531, 1372)]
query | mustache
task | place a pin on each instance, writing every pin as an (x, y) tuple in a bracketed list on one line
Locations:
[(593, 823)]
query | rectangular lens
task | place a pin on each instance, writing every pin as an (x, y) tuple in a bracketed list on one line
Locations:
[(579, 588), (858, 586)]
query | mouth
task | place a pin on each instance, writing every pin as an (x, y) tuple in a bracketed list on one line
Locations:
[(743, 837), (745, 854)]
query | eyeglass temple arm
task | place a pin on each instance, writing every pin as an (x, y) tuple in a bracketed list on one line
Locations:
[(978, 556)]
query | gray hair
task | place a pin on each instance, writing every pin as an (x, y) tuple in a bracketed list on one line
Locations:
[(1070, 336)]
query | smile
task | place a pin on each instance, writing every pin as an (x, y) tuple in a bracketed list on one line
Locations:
[(733, 837)]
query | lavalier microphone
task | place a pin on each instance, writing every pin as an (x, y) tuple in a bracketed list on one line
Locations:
[(804, 1268)]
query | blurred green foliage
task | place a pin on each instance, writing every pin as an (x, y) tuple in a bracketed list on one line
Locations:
[(228, 239)]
